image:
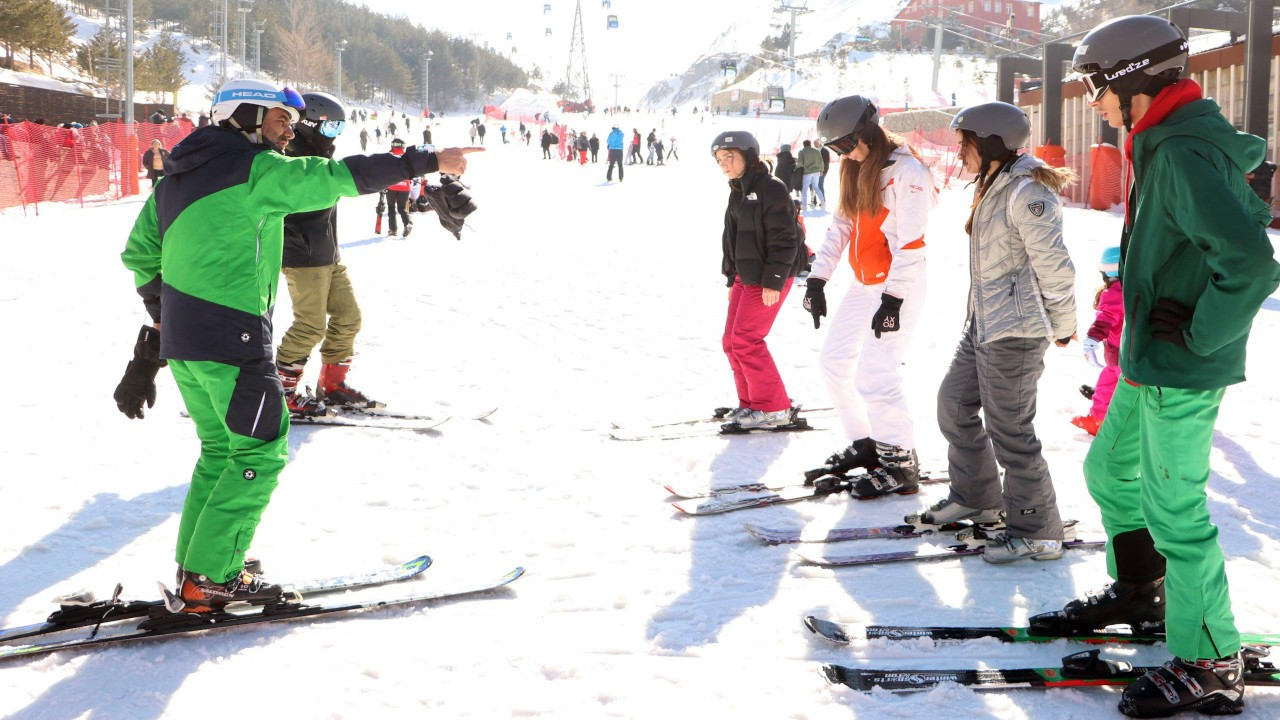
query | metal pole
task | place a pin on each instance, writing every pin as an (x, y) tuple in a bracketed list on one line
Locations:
[(258, 27), (1257, 67), (243, 12), (127, 113), (937, 54), (224, 42)]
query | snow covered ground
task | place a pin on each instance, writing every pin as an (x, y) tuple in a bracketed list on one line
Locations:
[(568, 304)]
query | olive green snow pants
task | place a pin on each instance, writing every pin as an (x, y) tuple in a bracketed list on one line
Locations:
[(244, 443), (324, 308), (1148, 468)]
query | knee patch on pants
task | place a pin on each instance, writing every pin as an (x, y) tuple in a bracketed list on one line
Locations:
[(257, 403)]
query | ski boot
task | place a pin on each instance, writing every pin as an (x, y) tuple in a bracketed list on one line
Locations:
[(900, 466), (391, 232), (303, 404), (1087, 391), (878, 482), (1087, 423), (947, 512), (252, 565), (747, 419), (1211, 687), (333, 388), (859, 454), (407, 227), (201, 594), (1138, 605), (1004, 548)]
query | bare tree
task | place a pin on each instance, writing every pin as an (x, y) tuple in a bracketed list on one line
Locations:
[(305, 56)]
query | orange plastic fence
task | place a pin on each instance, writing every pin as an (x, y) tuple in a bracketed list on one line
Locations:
[(39, 163), (1053, 155)]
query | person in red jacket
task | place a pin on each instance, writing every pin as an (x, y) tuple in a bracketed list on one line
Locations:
[(398, 197), (1102, 345)]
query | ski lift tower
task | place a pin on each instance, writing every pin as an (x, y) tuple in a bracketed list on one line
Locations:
[(576, 78), (796, 9)]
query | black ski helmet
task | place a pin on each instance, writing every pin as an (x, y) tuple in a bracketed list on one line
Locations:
[(995, 119), (323, 118), (1130, 55), (845, 120), (740, 140)]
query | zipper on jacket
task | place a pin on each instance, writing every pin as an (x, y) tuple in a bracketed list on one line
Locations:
[(262, 403), (1137, 303), (857, 235), (1017, 299), (257, 238)]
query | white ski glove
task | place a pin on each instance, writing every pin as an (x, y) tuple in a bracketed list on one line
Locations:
[(1095, 353)]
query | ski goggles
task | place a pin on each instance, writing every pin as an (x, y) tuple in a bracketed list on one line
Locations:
[(844, 145), (1097, 79), (331, 128)]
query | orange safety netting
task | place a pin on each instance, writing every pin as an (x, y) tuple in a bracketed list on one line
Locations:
[(40, 163)]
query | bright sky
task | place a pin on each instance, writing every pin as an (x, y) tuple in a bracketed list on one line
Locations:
[(654, 38)]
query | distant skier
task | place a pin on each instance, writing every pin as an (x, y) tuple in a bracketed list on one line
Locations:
[(480, 131), (635, 147), (398, 197), (594, 144), (786, 166), (614, 143), (810, 163), (763, 253), (886, 194), (583, 145), (364, 139)]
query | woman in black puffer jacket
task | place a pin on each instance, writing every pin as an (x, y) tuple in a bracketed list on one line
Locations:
[(763, 253)]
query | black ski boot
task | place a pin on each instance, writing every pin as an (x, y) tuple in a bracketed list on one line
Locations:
[(1087, 391), (861, 454), (201, 594), (300, 403), (902, 466), (882, 481), (1138, 605), (1211, 687)]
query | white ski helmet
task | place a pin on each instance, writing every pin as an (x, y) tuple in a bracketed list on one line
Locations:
[(264, 95)]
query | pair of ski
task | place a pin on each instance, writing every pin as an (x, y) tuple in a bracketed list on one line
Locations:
[(970, 539), (1081, 669), (377, 417), (713, 426), (107, 621), (754, 495)]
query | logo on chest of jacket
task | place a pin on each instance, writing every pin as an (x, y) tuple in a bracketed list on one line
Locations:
[(1036, 208), (752, 196), (1028, 511), (250, 474), (245, 337)]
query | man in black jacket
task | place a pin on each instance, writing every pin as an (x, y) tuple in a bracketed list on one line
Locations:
[(324, 303)]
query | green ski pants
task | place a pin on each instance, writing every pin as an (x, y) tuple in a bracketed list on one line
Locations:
[(244, 443), (1148, 468), (324, 309)]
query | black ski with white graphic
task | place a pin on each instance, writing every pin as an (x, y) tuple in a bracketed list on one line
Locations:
[(161, 623), (83, 610), (731, 500), (843, 633), (717, 416), (1083, 669), (381, 412), (924, 553), (686, 493), (781, 536), (368, 420)]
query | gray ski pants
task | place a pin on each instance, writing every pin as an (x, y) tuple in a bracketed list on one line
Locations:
[(999, 380)]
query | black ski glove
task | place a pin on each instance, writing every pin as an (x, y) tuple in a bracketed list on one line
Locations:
[(419, 161), (1167, 319), (139, 381), (382, 202), (886, 319), (815, 300), (452, 203)]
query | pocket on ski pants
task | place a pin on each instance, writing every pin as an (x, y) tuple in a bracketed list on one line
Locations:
[(257, 403)]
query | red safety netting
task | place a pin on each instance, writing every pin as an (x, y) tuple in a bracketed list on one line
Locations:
[(40, 163)]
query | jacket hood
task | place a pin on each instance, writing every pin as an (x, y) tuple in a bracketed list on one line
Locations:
[(1055, 178), (206, 144), (1203, 119)]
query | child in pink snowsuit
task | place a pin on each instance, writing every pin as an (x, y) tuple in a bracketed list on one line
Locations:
[(1102, 345)]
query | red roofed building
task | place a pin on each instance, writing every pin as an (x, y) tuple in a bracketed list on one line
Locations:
[(980, 19)]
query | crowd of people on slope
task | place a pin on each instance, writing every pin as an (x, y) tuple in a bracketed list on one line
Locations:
[(1192, 268)]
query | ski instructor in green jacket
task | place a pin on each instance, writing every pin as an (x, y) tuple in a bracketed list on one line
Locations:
[(205, 253), (1196, 265)]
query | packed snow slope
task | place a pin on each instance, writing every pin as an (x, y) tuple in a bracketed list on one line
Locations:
[(568, 304)]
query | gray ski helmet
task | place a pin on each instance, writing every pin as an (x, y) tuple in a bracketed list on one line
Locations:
[(740, 139), (1131, 55), (846, 116), (995, 118), (324, 114)]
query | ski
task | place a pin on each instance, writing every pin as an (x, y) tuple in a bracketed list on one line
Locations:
[(923, 554), (780, 536), (684, 493), (86, 611), (380, 412), (371, 421), (161, 623), (799, 425), (731, 500), (382, 208), (1082, 669), (717, 416), (844, 634)]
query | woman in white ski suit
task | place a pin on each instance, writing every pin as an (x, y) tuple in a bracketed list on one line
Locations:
[(886, 252)]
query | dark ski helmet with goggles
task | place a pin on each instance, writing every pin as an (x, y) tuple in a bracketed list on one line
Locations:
[(324, 118), (846, 120), (1130, 55)]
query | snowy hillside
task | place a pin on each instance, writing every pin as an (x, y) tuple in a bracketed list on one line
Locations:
[(569, 304)]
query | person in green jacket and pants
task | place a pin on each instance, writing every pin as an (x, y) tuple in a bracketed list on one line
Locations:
[(810, 160), (206, 253), (1196, 265)]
